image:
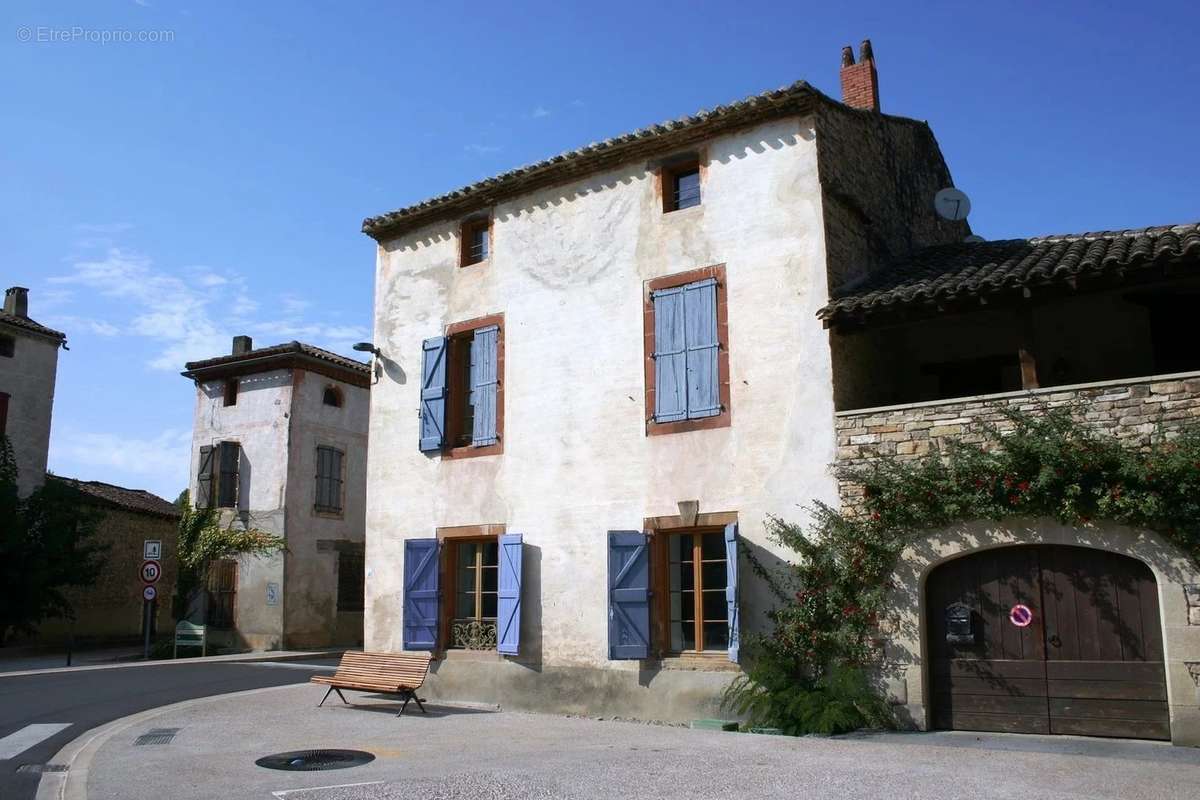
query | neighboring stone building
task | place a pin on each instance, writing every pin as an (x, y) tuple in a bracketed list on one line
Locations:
[(28, 369), (280, 444), (110, 610), (615, 354)]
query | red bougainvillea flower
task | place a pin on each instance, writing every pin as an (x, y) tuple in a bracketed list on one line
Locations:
[(1023, 486)]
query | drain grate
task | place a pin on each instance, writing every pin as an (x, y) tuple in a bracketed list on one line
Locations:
[(41, 768), (313, 760), (156, 736)]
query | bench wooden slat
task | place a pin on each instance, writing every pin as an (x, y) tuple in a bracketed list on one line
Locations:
[(382, 672)]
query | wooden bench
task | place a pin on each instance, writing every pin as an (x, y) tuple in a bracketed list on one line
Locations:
[(383, 673)]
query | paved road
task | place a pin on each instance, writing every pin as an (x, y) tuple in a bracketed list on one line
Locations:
[(84, 699)]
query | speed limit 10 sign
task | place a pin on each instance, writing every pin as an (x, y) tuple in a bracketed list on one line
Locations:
[(151, 571)]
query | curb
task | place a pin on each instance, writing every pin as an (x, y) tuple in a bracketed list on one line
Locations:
[(77, 754), (238, 658)]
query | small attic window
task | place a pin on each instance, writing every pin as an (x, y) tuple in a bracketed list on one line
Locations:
[(681, 184), (8, 346), (231, 390), (333, 396), (476, 241)]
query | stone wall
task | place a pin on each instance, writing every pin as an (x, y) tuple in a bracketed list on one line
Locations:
[(1128, 409)]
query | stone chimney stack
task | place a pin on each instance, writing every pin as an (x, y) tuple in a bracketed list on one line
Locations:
[(16, 301), (860, 82), (242, 345)]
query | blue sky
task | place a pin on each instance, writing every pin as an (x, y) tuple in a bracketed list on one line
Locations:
[(159, 197)]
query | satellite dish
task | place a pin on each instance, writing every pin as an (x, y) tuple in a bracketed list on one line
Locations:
[(952, 204), (973, 239)]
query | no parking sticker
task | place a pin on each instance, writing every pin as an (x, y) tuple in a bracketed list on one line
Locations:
[(1021, 616)]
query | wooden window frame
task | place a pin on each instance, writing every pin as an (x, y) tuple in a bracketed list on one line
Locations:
[(465, 231), (230, 392), (449, 538), (725, 418), (660, 585), (668, 171), (341, 480), (456, 391), (218, 481)]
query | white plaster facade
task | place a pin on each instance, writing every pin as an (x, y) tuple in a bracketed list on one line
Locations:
[(279, 420), (27, 377), (567, 269)]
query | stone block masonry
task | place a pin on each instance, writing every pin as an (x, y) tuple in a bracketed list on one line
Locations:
[(1130, 409)]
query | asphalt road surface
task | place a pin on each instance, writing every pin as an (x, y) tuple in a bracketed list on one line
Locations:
[(39, 714)]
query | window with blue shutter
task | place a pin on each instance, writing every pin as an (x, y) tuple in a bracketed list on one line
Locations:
[(433, 394), (421, 594), (508, 606), (731, 589), (687, 351), (628, 595), (484, 383)]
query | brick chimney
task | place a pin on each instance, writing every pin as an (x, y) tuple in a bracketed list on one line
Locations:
[(242, 345), (860, 82), (16, 301)]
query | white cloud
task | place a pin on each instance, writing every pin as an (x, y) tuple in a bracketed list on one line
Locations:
[(73, 325), (540, 111), (481, 149), (88, 453), (294, 305)]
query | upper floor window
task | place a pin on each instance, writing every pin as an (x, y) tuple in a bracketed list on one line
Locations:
[(329, 479), (681, 185), (462, 395), (231, 391), (687, 352), (476, 237), (218, 477), (332, 397), (8, 346)]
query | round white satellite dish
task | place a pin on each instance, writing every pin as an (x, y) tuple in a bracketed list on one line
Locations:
[(952, 204), (973, 239)]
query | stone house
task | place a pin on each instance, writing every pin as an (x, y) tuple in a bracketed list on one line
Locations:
[(599, 374), (279, 444), (111, 609), (28, 371)]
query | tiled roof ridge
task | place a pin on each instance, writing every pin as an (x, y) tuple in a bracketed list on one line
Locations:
[(31, 325), (746, 107), (138, 500), (283, 348)]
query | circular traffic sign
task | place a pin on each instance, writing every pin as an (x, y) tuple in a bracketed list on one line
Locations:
[(151, 571), (1021, 616), (149, 593)]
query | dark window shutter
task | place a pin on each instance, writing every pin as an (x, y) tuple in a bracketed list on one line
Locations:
[(420, 594), (335, 479), (484, 382), (731, 588), (229, 478), (433, 394), (508, 600), (670, 357), (204, 478), (628, 595), (700, 334), (3, 413)]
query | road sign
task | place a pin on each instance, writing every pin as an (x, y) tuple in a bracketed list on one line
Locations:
[(151, 571), (149, 593), (1020, 616), (152, 549)]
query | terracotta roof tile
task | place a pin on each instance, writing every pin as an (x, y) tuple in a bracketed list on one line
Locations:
[(137, 500), (27, 324), (297, 348), (947, 272)]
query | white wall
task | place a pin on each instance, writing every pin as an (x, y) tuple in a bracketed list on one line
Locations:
[(567, 271), (28, 378)]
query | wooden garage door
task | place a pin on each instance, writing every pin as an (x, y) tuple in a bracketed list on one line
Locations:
[(1089, 661)]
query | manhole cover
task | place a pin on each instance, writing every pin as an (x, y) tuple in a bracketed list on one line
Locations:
[(312, 760)]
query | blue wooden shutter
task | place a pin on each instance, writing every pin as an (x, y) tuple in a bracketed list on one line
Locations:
[(508, 600), (700, 335), (731, 588), (420, 594), (433, 394), (484, 380), (670, 357), (628, 595)]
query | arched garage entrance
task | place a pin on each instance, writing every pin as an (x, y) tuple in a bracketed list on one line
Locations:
[(1046, 639)]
